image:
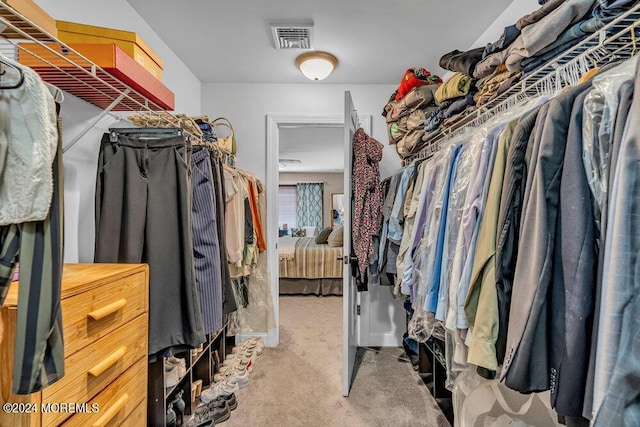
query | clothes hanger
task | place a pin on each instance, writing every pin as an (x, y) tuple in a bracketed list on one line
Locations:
[(18, 75), (149, 132)]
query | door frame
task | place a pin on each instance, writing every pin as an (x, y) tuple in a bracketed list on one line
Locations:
[(273, 124)]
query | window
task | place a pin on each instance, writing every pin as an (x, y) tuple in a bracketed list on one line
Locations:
[(287, 201)]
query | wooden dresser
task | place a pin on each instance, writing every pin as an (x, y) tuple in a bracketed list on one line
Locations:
[(104, 315)]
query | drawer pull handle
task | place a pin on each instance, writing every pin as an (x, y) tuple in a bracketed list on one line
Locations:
[(107, 309), (111, 412), (111, 360)]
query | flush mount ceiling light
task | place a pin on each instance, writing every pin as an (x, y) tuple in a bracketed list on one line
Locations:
[(316, 65)]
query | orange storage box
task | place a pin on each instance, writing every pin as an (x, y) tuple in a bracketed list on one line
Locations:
[(33, 13), (130, 42), (107, 56)]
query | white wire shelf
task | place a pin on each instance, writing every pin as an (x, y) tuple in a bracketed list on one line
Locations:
[(71, 71), (616, 41)]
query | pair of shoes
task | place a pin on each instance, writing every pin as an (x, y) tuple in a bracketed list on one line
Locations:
[(178, 406), (241, 378), (209, 414), (219, 389), (182, 365)]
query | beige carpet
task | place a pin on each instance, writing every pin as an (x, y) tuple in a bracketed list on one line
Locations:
[(299, 383)]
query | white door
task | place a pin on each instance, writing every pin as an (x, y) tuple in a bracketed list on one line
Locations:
[(349, 299)]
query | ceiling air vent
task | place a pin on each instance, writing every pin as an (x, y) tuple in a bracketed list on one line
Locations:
[(293, 36)]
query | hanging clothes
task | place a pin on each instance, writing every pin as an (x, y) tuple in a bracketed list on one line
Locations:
[(206, 246), (141, 218), (39, 343), (28, 146), (367, 197), (229, 303)]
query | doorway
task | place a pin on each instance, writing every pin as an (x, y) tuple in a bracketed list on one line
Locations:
[(275, 125)]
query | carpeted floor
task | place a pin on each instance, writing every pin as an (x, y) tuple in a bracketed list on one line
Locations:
[(299, 383)]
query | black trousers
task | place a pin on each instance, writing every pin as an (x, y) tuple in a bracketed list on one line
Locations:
[(143, 215)]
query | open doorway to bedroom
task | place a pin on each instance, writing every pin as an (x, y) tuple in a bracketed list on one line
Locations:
[(310, 267), (310, 178)]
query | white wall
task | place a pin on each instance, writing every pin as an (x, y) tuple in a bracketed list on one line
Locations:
[(509, 16), (80, 162)]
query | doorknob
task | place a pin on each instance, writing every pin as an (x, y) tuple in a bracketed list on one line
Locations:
[(347, 259)]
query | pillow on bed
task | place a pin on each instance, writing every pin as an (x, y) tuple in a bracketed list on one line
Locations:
[(323, 236), (298, 232), (310, 231), (336, 238)]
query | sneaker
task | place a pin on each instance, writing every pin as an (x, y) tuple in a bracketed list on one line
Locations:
[(231, 400), (171, 377), (219, 411), (232, 383), (241, 377), (238, 359), (202, 417), (219, 389), (231, 368), (259, 344), (182, 365)]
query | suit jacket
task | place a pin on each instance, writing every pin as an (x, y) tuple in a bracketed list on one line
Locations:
[(509, 222), (573, 283), (526, 365)]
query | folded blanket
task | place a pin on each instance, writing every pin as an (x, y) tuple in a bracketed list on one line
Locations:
[(287, 247)]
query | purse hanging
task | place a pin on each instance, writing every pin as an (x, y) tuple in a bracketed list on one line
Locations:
[(225, 143)]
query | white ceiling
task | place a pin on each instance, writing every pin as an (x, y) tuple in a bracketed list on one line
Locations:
[(374, 40), (319, 148)]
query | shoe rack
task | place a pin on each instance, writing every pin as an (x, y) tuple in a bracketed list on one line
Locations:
[(433, 372), (201, 366)]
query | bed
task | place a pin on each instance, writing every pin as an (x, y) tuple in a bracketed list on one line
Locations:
[(309, 268)]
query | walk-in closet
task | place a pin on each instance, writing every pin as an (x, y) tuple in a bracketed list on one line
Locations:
[(319, 213)]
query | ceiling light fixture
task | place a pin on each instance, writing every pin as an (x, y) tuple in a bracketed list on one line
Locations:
[(316, 65)]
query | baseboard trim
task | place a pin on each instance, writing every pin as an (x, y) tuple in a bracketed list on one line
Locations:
[(389, 339)]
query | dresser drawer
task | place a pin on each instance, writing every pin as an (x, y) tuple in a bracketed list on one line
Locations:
[(90, 370), (137, 418), (90, 315), (120, 399)]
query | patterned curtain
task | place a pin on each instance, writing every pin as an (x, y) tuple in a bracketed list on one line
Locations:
[(309, 209)]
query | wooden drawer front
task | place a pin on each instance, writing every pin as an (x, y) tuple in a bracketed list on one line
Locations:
[(138, 418), (117, 401), (91, 369), (91, 315)]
